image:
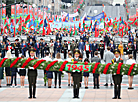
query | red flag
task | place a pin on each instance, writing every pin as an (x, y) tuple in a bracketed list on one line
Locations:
[(14, 31), (43, 31), (48, 30)]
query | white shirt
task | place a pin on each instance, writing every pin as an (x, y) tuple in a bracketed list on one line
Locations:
[(47, 58), (69, 59), (87, 47), (130, 61), (58, 59)]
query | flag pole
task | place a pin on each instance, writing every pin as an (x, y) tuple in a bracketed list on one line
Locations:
[(15, 20)]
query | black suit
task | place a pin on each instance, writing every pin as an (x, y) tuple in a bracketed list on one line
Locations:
[(32, 76), (135, 51), (16, 47), (94, 48)]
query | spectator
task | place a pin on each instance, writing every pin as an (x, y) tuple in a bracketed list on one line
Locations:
[(1, 73)]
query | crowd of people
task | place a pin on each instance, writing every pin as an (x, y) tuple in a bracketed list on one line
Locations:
[(73, 51)]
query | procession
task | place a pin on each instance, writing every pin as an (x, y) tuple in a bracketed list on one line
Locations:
[(70, 56)]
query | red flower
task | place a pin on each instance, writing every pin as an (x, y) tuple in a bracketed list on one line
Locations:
[(106, 68), (130, 69), (75, 62), (119, 68), (24, 45), (28, 43), (50, 65), (2, 61), (26, 62), (10, 47), (59, 46), (63, 65), (14, 62), (38, 63), (95, 67), (85, 63)]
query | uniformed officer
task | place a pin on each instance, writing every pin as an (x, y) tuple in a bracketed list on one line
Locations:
[(32, 76), (76, 75), (129, 48), (117, 78), (16, 47), (73, 47), (42, 48), (102, 48), (65, 48)]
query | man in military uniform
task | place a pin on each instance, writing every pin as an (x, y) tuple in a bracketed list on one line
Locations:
[(30, 45), (65, 48), (16, 47), (42, 48), (76, 75), (102, 48), (73, 47), (32, 76), (117, 78)]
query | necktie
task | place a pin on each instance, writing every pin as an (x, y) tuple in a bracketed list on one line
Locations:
[(135, 46), (37, 45)]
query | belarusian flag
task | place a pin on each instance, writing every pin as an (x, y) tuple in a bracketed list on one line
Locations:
[(48, 30), (27, 19), (75, 31), (41, 23), (83, 25), (79, 26), (71, 32), (90, 26)]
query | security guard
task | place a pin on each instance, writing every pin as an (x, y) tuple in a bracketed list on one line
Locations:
[(32, 76), (117, 78), (16, 47), (102, 48), (76, 75), (65, 48)]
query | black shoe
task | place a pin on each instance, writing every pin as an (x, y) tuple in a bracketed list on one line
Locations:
[(68, 84), (49, 86), (29, 97), (111, 84), (86, 87), (44, 84), (106, 84), (119, 97), (59, 86), (119, 92), (130, 88), (98, 87), (94, 87), (71, 84), (0, 86), (114, 98), (34, 97), (55, 87)]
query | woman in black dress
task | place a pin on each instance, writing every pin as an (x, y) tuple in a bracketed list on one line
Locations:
[(1, 73), (22, 73), (8, 70), (86, 75)]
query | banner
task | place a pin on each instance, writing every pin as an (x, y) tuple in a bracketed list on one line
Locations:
[(63, 14), (97, 17), (78, 67)]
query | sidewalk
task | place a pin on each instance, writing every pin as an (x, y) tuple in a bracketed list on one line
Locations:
[(65, 95)]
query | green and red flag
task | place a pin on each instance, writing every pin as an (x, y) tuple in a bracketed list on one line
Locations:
[(27, 19)]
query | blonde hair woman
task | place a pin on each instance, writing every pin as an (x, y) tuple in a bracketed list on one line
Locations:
[(7, 69)]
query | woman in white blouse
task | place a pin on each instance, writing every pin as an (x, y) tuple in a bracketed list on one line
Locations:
[(130, 77), (69, 73), (58, 57), (51, 48)]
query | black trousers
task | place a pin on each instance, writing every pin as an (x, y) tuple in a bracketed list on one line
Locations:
[(76, 80), (117, 81), (87, 54), (59, 77), (101, 53), (16, 53), (13, 75), (32, 82), (65, 54), (134, 54), (96, 80), (42, 53)]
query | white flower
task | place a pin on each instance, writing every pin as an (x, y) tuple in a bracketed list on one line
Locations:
[(136, 65), (114, 74), (42, 64), (134, 73), (123, 68), (111, 70), (123, 73), (21, 59), (135, 68), (41, 67)]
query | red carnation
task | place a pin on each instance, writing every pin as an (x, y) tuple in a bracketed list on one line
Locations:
[(10, 47), (59, 46), (75, 62), (28, 43), (85, 63), (24, 45)]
